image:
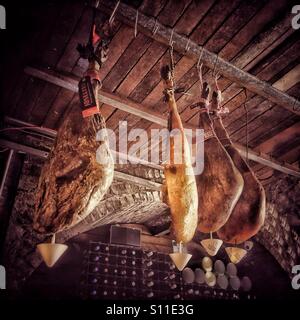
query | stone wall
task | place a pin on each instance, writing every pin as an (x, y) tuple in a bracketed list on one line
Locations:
[(278, 235), (19, 250), (123, 203)]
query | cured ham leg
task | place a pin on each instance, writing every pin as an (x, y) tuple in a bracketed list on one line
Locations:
[(220, 184), (180, 186), (248, 214), (72, 181)]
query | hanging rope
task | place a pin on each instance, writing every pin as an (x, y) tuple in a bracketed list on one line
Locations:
[(172, 63), (247, 129), (199, 69), (171, 38), (172, 67), (136, 23), (216, 82), (200, 75), (111, 19), (215, 74)]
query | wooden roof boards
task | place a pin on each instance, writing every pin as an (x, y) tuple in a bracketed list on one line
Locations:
[(255, 36)]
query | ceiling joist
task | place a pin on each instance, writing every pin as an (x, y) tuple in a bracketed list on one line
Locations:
[(115, 101), (44, 155), (152, 28)]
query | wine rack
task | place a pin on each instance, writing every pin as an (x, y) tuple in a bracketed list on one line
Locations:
[(123, 272)]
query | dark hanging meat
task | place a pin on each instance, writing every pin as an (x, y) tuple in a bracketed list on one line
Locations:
[(72, 181), (248, 214), (220, 184), (180, 190)]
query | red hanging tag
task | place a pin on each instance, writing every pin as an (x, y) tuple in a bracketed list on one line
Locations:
[(87, 97), (96, 37)]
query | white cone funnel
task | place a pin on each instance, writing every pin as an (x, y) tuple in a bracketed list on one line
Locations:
[(180, 258), (211, 245), (51, 252), (235, 254)]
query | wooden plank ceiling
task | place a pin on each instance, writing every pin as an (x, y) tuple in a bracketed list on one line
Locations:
[(256, 36)]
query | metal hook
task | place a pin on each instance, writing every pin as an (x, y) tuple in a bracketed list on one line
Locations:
[(171, 38), (187, 47), (155, 28)]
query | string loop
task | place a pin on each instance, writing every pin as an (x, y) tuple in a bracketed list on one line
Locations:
[(247, 129)]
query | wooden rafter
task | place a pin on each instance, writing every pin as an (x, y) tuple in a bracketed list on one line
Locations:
[(44, 155), (163, 35), (71, 83)]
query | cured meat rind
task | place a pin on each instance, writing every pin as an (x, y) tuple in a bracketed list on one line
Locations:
[(180, 188), (248, 214), (220, 184)]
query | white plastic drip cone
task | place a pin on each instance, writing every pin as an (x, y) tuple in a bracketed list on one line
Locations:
[(235, 254), (51, 252), (180, 258)]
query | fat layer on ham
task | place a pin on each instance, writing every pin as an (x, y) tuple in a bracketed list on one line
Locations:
[(180, 190), (220, 184)]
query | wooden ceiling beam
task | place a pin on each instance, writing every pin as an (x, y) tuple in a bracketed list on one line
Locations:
[(44, 155), (71, 83), (267, 160), (163, 34)]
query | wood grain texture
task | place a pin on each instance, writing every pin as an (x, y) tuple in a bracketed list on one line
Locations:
[(71, 84)]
